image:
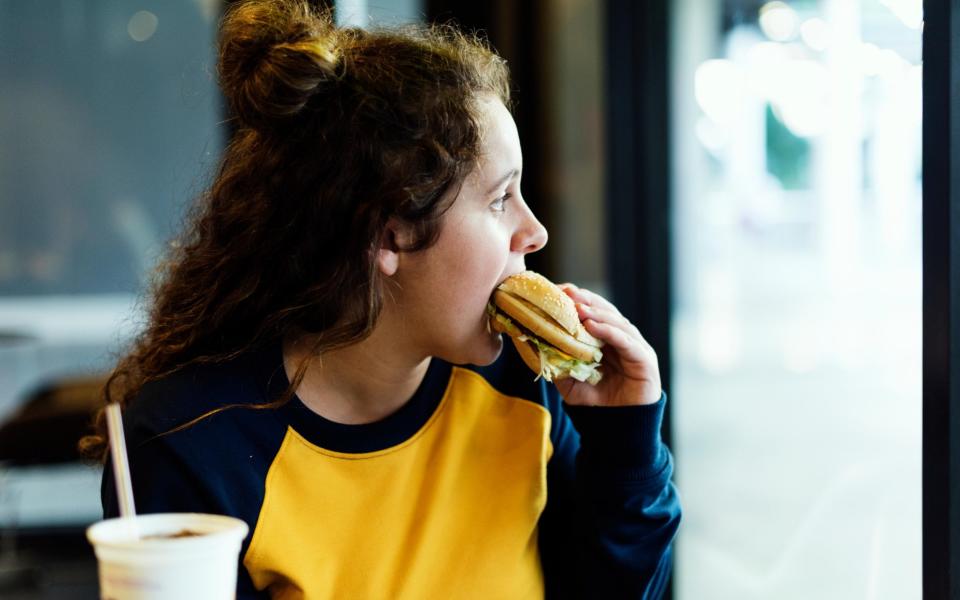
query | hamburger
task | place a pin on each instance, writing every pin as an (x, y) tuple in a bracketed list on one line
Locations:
[(543, 324)]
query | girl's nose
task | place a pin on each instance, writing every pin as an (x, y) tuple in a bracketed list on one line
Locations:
[(532, 236)]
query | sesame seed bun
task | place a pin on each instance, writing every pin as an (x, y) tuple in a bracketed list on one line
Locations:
[(544, 326), (547, 329), (545, 296)]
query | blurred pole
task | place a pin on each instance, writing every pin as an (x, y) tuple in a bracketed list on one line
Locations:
[(573, 148), (839, 166), (694, 39), (893, 160)]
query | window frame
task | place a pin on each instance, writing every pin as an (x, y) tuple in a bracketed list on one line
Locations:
[(637, 177), (941, 300), (637, 200)]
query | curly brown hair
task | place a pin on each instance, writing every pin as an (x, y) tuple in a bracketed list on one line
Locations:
[(338, 130)]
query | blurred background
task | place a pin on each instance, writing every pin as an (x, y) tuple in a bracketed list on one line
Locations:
[(790, 334)]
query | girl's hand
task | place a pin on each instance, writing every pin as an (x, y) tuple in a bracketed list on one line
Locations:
[(631, 373)]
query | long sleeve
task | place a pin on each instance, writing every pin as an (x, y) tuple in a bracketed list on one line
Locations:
[(215, 466), (612, 511), (164, 482)]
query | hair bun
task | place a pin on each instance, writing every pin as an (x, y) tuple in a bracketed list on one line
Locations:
[(273, 56)]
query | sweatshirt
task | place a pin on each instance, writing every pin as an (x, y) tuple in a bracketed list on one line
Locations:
[(483, 485)]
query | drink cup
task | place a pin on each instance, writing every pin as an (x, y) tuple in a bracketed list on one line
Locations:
[(168, 556)]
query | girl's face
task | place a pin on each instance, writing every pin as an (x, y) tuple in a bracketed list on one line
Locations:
[(442, 291)]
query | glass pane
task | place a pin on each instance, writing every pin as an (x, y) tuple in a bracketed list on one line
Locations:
[(106, 112), (797, 331), (109, 127)]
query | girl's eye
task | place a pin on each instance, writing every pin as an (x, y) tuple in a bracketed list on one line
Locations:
[(499, 204)]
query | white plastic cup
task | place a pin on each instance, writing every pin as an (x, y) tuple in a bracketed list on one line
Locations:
[(168, 568)]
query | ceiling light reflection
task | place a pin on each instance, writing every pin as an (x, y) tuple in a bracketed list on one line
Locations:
[(142, 25), (778, 21)]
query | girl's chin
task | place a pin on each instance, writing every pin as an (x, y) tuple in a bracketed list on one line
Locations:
[(488, 350), (479, 347)]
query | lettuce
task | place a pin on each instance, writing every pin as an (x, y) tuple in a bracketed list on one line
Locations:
[(554, 364)]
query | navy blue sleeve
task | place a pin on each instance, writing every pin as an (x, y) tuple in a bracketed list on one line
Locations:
[(162, 482), (612, 511), (214, 466)]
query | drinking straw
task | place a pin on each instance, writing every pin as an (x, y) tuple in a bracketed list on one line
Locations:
[(121, 466)]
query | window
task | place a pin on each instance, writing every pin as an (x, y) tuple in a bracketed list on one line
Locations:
[(108, 129), (797, 319)]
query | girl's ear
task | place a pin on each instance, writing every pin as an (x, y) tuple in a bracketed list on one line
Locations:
[(394, 240)]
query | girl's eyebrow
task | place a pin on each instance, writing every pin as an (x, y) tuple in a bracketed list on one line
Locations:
[(507, 177)]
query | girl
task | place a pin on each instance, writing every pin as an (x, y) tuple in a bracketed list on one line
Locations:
[(317, 360)]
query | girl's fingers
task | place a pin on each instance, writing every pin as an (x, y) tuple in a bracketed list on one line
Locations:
[(587, 297), (617, 321), (605, 315), (626, 345), (596, 307)]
